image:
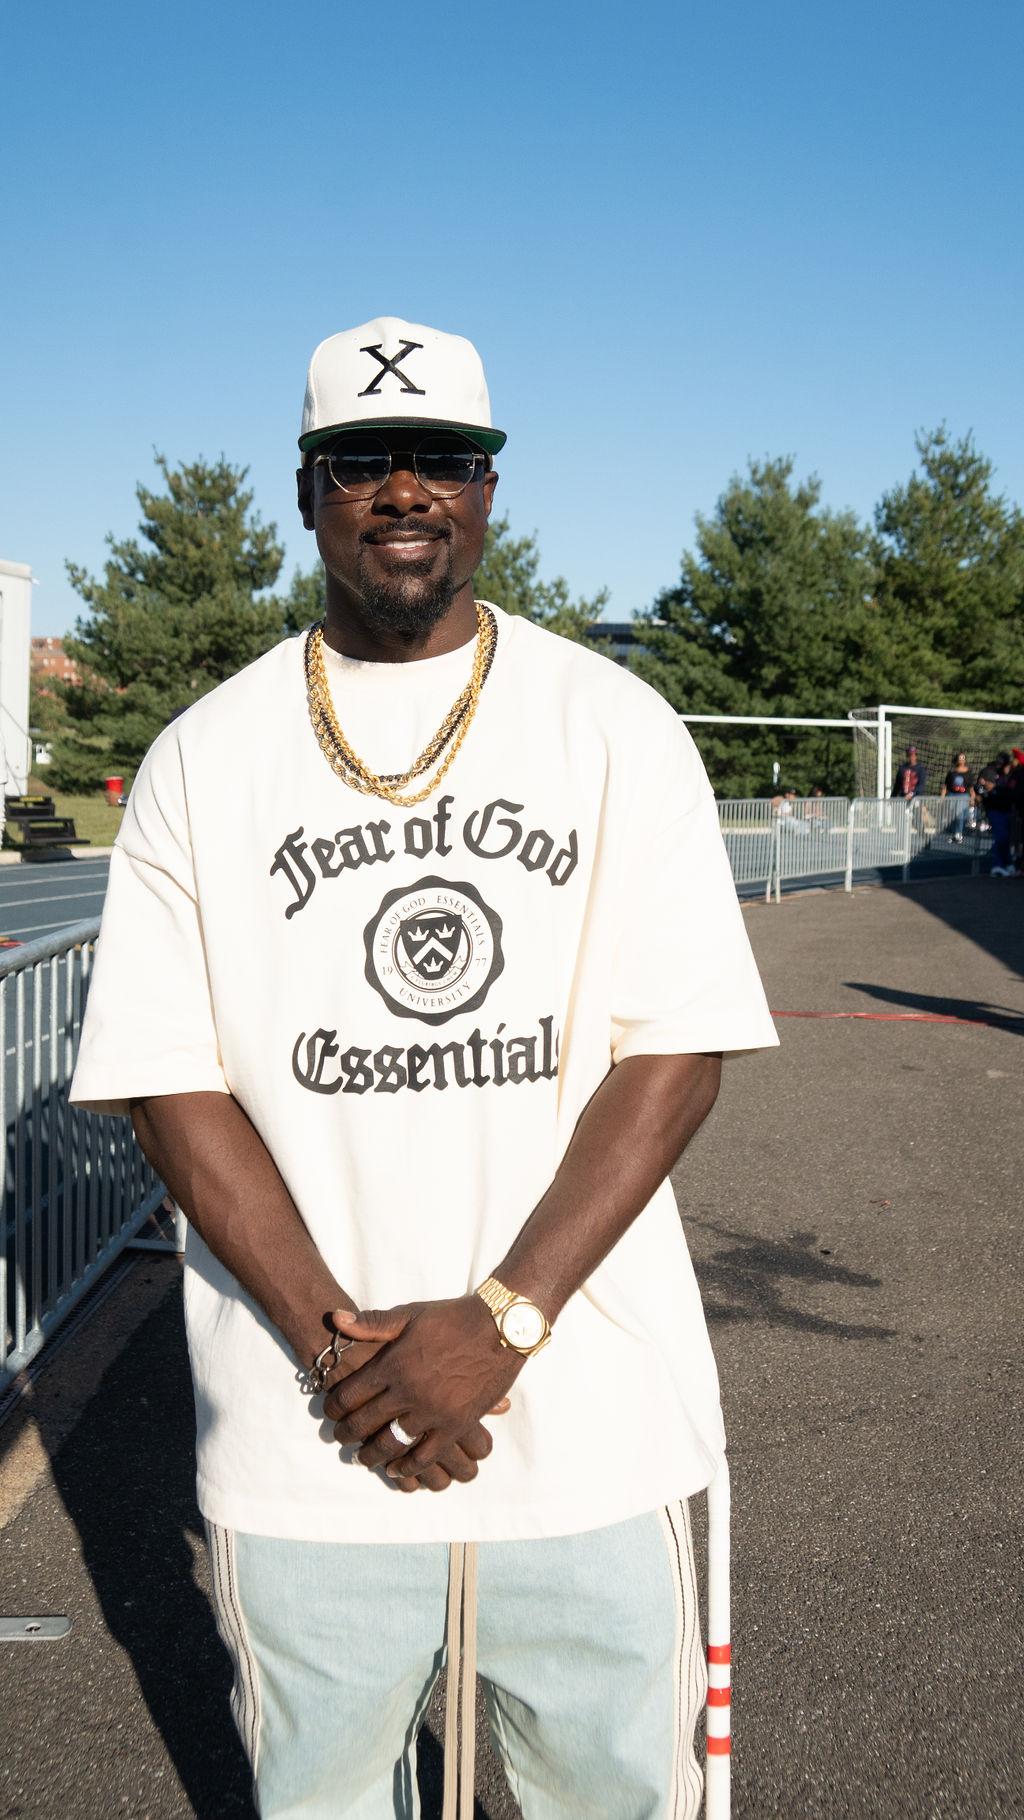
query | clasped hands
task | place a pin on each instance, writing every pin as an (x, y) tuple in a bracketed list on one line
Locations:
[(434, 1367)]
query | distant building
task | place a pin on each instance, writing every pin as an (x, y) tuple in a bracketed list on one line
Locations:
[(51, 663), (620, 634)]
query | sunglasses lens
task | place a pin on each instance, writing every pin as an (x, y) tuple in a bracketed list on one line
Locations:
[(445, 464), (359, 465)]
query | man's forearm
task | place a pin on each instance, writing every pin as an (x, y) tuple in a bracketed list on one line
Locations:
[(223, 1177), (631, 1133)]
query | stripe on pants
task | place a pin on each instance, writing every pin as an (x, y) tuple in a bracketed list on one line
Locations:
[(227, 1605), (687, 1785)]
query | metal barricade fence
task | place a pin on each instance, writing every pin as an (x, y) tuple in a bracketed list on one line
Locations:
[(946, 824), (821, 837), (77, 1188), (895, 831), (811, 838), (879, 836), (748, 829)]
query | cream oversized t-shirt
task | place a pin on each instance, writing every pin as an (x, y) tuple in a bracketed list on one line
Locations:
[(413, 1006)]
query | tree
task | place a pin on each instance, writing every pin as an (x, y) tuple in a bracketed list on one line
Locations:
[(951, 579), (508, 576), (305, 601), (174, 615), (773, 614), (45, 711)]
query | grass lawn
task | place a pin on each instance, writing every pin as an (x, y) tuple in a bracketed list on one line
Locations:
[(94, 819)]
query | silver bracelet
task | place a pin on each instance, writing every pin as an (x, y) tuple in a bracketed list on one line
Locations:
[(313, 1381)]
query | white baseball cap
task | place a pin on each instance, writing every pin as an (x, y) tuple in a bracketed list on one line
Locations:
[(389, 374)]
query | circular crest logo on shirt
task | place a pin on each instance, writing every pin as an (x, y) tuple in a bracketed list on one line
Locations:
[(433, 950)]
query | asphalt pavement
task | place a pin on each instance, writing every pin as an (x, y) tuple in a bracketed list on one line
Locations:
[(39, 895), (852, 1208)]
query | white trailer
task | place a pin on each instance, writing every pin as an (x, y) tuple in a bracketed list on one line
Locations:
[(15, 647)]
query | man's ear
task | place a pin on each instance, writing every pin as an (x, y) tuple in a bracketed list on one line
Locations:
[(304, 491), (490, 482)]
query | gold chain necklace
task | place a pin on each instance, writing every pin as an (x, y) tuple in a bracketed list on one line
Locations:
[(451, 733)]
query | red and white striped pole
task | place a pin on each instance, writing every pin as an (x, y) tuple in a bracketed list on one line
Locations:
[(717, 1784)]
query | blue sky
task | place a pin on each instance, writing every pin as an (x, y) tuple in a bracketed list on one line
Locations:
[(679, 235)]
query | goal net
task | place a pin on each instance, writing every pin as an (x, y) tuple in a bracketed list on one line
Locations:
[(881, 738)]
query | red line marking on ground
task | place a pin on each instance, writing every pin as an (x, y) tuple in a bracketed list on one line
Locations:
[(889, 1017)]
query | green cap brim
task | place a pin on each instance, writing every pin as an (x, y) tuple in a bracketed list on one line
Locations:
[(489, 440)]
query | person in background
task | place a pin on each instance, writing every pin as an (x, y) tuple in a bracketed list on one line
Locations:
[(910, 785), (959, 782), (814, 808), (1017, 816), (910, 778), (998, 795)]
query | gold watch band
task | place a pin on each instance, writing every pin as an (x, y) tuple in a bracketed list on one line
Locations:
[(496, 1295), (498, 1298)]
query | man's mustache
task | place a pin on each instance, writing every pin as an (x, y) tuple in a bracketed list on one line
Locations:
[(420, 527)]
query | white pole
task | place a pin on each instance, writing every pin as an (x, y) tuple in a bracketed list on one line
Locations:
[(881, 785), (890, 707), (768, 720), (718, 1792)]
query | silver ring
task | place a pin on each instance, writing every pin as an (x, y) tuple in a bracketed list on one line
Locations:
[(400, 1435)]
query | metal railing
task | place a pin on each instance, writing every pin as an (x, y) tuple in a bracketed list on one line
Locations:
[(823, 837), (812, 838), (77, 1188), (750, 832)]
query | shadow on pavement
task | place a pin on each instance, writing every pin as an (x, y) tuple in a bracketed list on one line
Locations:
[(742, 1282), (127, 1479), (987, 911), (973, 1011)]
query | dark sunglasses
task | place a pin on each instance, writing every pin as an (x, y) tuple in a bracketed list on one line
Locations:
[(359, 464)]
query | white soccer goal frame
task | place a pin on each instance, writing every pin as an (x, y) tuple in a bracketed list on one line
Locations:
[(880, 718), (856, 721)]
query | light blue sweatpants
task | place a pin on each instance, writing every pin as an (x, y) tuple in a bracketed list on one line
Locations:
[(588, 1646)]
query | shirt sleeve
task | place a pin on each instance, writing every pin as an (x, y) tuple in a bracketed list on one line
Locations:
[(685, 978), (149, 1025)]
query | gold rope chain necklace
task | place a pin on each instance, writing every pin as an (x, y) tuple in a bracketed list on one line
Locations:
[(451, 733)]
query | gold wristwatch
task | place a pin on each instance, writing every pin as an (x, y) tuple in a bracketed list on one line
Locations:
[(521, 1324)]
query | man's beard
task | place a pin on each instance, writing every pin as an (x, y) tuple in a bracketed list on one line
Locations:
[(408, 606)]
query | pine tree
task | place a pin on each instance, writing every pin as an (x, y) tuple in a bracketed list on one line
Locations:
[(177, 611), (773, 614), (305, 601), (508, 576), (951, 581)]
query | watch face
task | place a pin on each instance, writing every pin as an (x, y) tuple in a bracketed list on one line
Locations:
[(523, 1324)]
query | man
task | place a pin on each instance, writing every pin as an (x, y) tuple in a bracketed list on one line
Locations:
[(910, 776), (998, 796), (419, 956)]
